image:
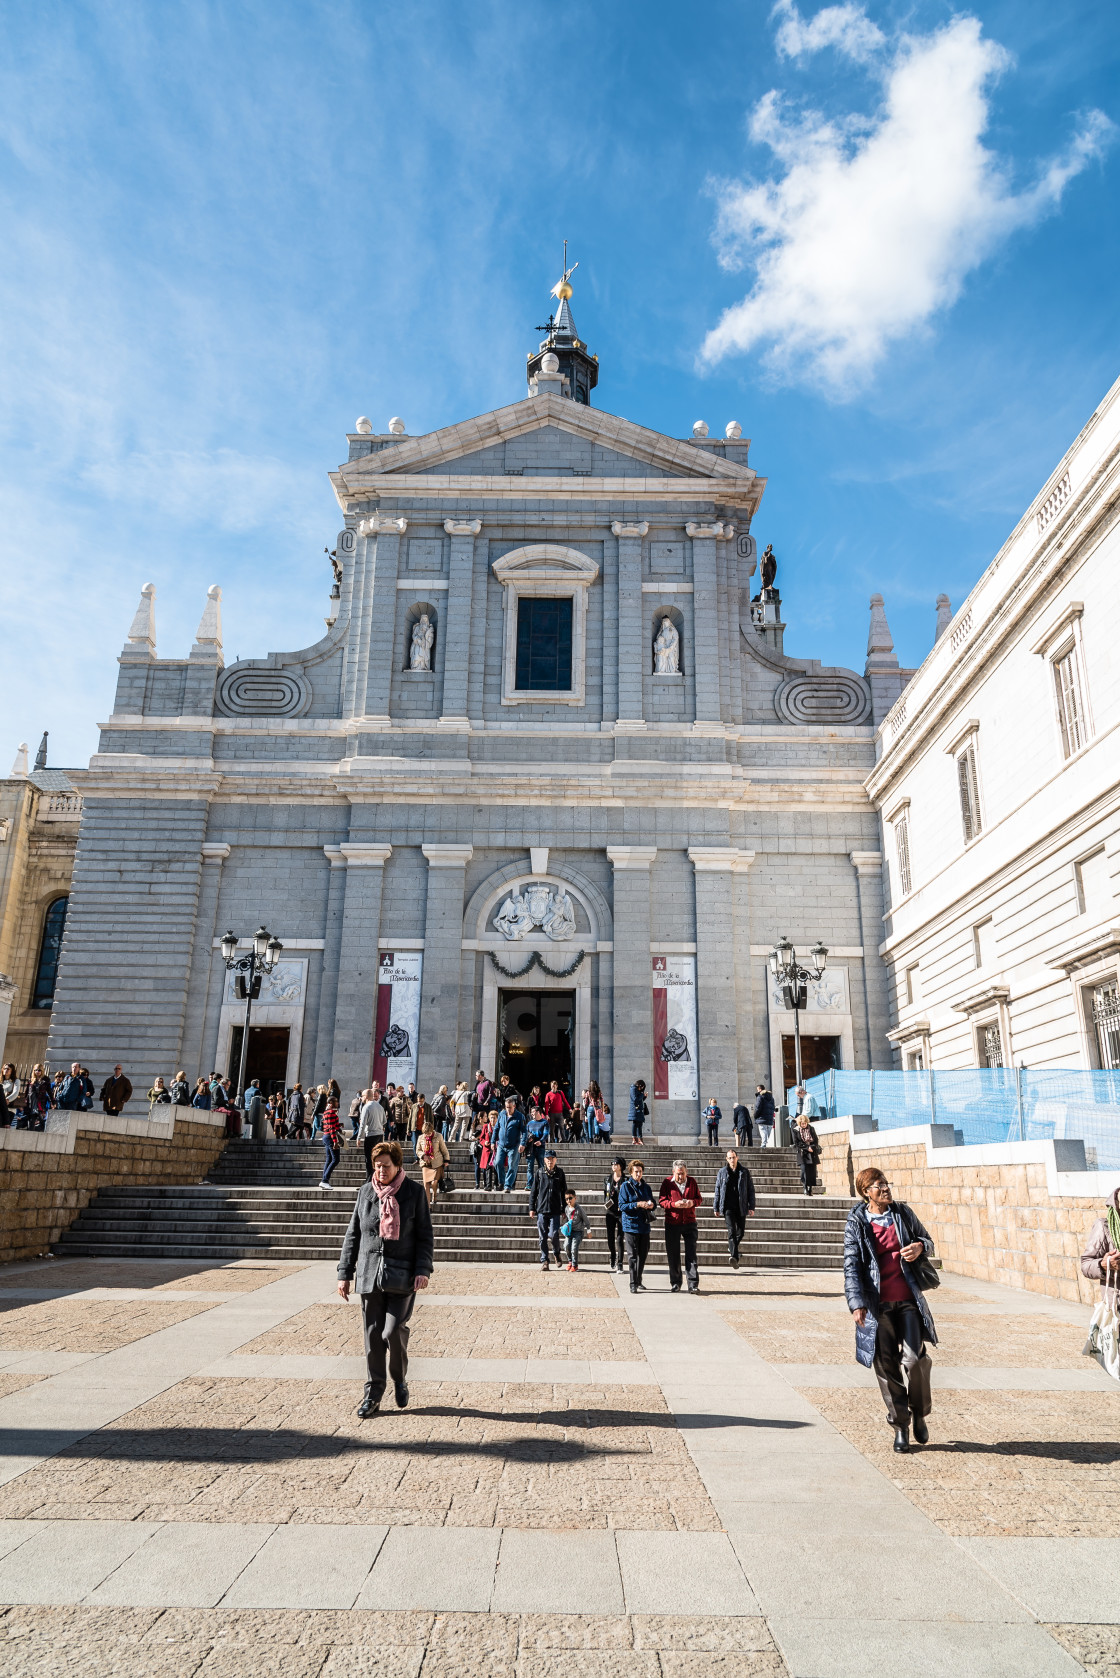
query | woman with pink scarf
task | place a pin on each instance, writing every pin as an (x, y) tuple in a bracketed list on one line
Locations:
[(387, 1255)]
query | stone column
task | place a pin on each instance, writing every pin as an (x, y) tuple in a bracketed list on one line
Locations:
[(332, 945), (202, 959), (356, 991), (632, 650), (633, 1003), (457, 624), (717, 990), (705, 624), (383, 610), (443, 944), (876, 1011)]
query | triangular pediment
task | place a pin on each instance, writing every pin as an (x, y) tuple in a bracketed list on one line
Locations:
[(544, 435)]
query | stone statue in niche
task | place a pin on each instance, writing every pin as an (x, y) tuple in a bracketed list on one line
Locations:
[(423, 640), (537, 905), (667, 650)]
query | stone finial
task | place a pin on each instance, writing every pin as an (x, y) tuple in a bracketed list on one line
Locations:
[(700, 428), (880, 643), (142, 635), (733, 431), (41, 754), (19, 767), (397, 426), (363, 426), (944, 616), (209, 633), (550, 363)]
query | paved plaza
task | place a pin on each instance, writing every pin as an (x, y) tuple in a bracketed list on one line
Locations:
[(584, 1482)]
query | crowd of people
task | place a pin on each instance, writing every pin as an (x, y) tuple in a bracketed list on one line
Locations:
[(26, 1101)]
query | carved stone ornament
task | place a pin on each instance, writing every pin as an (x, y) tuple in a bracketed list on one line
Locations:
[(462, 527), (667, 650), (537, 905), (381, 521)]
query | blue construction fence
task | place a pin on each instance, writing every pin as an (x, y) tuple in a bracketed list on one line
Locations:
[(991, 1104)]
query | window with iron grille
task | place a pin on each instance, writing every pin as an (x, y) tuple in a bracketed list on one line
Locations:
[(544, 644), (902, 847), (991, 1044), (1071, 708), (1105, 1001), (969, 787)]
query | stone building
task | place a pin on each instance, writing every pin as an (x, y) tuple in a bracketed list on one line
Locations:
[(998, 786), (541, 798), (39, 814)]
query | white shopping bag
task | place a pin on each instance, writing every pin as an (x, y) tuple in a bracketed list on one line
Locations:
[(1104, 1333)]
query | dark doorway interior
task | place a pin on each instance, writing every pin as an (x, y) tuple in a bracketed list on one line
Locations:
[(818, 1054), (267, 1058), (535, 1038)]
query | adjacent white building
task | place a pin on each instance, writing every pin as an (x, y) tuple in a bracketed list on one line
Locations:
[(998, 787)]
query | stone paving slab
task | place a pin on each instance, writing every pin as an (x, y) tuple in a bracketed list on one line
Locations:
[(461, 1330), (946, 1377), (60, 1561), (1059, 1579), (43, 1363), (308, 1567), (915, 1644), (1022, 1342), (156, 1275), (558, 1572), (512, 1280), (451, 1568), (188, 1565), (82, 1325), (297, 1366), (11, 1382), (1096, 1647), (999, 1464)]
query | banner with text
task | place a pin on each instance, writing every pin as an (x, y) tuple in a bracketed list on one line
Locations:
[(396, 1033), (674, 1028)]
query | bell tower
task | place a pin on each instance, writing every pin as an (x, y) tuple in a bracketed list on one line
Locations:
[(563, 366)]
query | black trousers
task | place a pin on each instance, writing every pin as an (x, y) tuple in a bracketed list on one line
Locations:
[(735, 1228), (902, 1365), (637, 1252), (614, 1236), (385, 1328), (808, 1173), (674, 1234)]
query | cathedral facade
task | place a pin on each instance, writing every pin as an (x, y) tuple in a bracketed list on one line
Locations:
[(540, 800)]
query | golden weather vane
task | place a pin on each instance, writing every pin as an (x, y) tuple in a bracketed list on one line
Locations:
[(562, 289)]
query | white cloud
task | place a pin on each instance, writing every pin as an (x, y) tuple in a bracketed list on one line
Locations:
[(872, 226), (847, 28)]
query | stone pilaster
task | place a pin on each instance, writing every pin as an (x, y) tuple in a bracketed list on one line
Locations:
[(356, 991), (632, 651), (633, 1005), (443, 944), (202, 959), (706, 628), (332, 946), (873, 1029), (718, 979), (457, 623), (382, 609)]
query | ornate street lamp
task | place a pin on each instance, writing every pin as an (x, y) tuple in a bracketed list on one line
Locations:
[(264, 953), (793, 979)]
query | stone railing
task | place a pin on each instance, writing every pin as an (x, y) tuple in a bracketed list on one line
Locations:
[(58, 806)]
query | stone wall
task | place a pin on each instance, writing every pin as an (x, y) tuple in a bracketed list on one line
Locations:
[(1001, 1213), (46, 1178)]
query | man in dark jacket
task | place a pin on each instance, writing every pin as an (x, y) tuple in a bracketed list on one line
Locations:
[(115, 1091), (387, 1253), (546, 1203), (76, 1094), (734, 1200), (764, 1111), (679, 1199), (883, 1240), (636, 1207), (510, 1136), (741, 1125)]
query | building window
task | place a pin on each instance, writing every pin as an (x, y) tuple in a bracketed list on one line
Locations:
[(544, 644), (913, 986), (990, 1044), (1104, 1013), (915, 1061), (968, 785), (902, 847), (46, 973), (1094, 887), (984, 944), (1071, 706)]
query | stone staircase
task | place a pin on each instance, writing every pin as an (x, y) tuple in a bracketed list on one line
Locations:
[(261, 1201)]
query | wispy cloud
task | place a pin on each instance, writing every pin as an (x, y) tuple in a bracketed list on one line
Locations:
[(872, 224)]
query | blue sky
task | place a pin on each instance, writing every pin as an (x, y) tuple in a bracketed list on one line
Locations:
[(884, 239)]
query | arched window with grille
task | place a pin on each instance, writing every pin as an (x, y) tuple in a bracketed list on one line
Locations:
[(47, 971)]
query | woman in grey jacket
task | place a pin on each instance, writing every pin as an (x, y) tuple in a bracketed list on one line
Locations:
[(387, 1253)]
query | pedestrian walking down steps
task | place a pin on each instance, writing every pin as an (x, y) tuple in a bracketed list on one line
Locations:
[(733, 1201)]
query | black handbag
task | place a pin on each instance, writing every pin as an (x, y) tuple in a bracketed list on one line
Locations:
[(921, 1269), (447, 1181)]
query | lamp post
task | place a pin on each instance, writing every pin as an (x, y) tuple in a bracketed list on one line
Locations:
[(793, 979), (262, 958)]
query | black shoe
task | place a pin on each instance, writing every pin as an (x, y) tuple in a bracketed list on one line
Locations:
[(902, 1441), (921, 1431), (696, 1289), (544, 1264), (400, 1392), (735, 1262), (641, 1287), (633, 1287), (371, 1402), (676, 1287)]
